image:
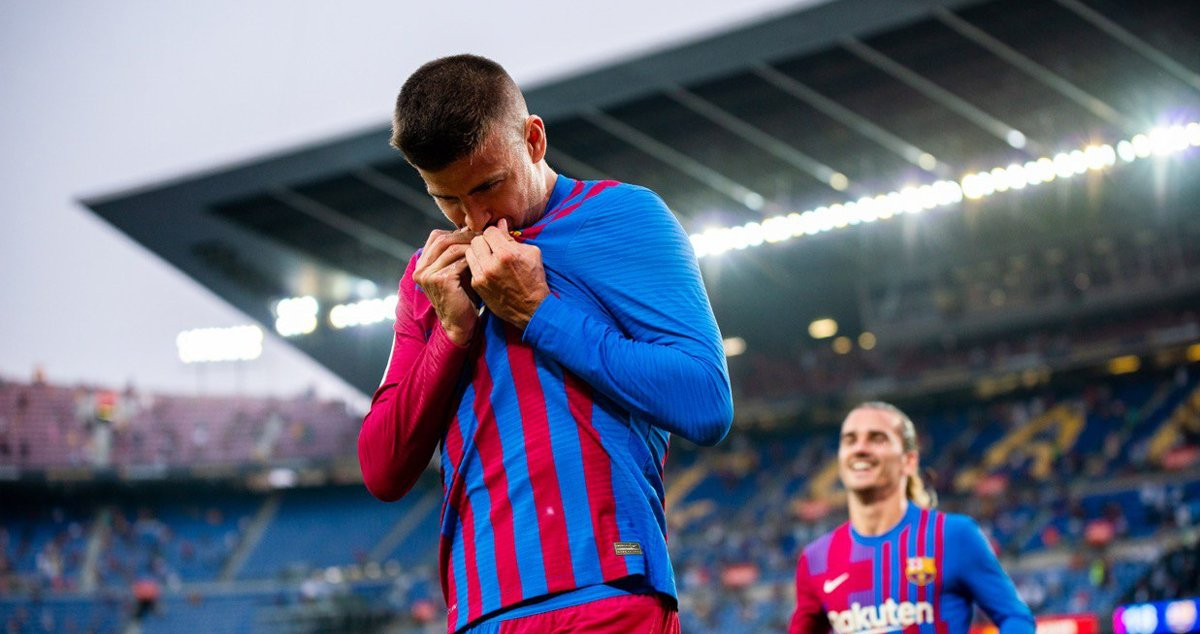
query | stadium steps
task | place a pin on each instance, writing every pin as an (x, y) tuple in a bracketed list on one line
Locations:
[(824, 484), (681, 485), (1041, 439), (101, 528), (404, 527), (1035, 525), (253, 535), (1185, 416)]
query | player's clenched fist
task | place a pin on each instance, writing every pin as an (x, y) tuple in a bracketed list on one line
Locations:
[(507, 275), (443, 275)]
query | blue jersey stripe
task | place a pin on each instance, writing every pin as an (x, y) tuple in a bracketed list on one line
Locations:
[(611, 430), (512, 441), (485, 550), (458, 560), (877, 573), (614, 437), (568, 462)]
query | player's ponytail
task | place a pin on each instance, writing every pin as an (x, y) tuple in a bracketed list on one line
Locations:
[(919, 494), (914, 489)]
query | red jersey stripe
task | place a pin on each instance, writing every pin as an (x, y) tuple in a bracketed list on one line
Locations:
[(923, 525), (939, 563), (491, 457), (543, 475), (474, 603), (597, 468), (904, 583)]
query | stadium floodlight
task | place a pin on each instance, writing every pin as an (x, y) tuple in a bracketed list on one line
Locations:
[(1160, 142), (363, 313), (734, 346), (210, 345), (866, 340), (822, 328), (296, 316), (1015, 138), (1192, 130)]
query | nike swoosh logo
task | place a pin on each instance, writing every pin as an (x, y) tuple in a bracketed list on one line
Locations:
[(832, 584)]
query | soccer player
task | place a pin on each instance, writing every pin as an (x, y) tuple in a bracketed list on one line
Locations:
[(898, 564), (550, 344)]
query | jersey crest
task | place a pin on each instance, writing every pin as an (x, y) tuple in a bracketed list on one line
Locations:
[(920, 570)]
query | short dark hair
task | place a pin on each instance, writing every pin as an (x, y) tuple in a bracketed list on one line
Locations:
[(446, 108)]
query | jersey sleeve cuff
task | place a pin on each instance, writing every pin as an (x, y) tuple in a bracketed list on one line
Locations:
[(443, 347)]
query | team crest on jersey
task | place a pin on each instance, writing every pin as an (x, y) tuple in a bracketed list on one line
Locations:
[(920, 570)]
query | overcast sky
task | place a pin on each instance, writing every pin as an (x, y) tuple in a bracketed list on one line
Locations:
[(98, 97)]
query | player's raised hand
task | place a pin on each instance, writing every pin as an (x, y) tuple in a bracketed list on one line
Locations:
[(507, 274), (442, 273)]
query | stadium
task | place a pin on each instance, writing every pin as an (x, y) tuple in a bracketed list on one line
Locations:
[(983, 211)]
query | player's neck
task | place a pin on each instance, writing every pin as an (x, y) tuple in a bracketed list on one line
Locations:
[(548, 178), (873, 517)]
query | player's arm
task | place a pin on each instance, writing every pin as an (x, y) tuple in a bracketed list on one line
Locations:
[(809, 617), (664, 359), (989, 585), (409, 411)]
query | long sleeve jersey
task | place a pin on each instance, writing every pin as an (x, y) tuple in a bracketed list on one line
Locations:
[(921, 577), (553, 439)]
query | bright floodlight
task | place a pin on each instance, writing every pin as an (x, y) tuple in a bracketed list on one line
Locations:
[(209, 345), (296, 316), (1015, 138), (912, 199), (734, 346), (822, 328), (753, 200), (368, 311)]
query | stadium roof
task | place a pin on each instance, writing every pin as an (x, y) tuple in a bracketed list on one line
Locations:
[(826, 105)]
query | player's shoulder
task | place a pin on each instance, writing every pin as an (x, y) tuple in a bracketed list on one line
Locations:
[(957, 528), (820, 547), (955, 523), (618, 196), (639, 214)]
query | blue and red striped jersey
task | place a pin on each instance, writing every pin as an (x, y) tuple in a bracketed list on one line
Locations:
[(555, 437), (921, 577)]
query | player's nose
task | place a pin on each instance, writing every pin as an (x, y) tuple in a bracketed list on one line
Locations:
[(478, 217)]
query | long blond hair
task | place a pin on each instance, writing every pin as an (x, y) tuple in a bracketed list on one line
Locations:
[(914, 488)]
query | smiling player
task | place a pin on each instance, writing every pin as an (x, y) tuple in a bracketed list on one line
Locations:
[(898, 565)]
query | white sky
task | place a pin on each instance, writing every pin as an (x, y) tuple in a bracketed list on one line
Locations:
[(97, 97)]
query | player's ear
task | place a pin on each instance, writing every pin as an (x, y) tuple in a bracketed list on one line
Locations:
[(911, 463), (535, 138)]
